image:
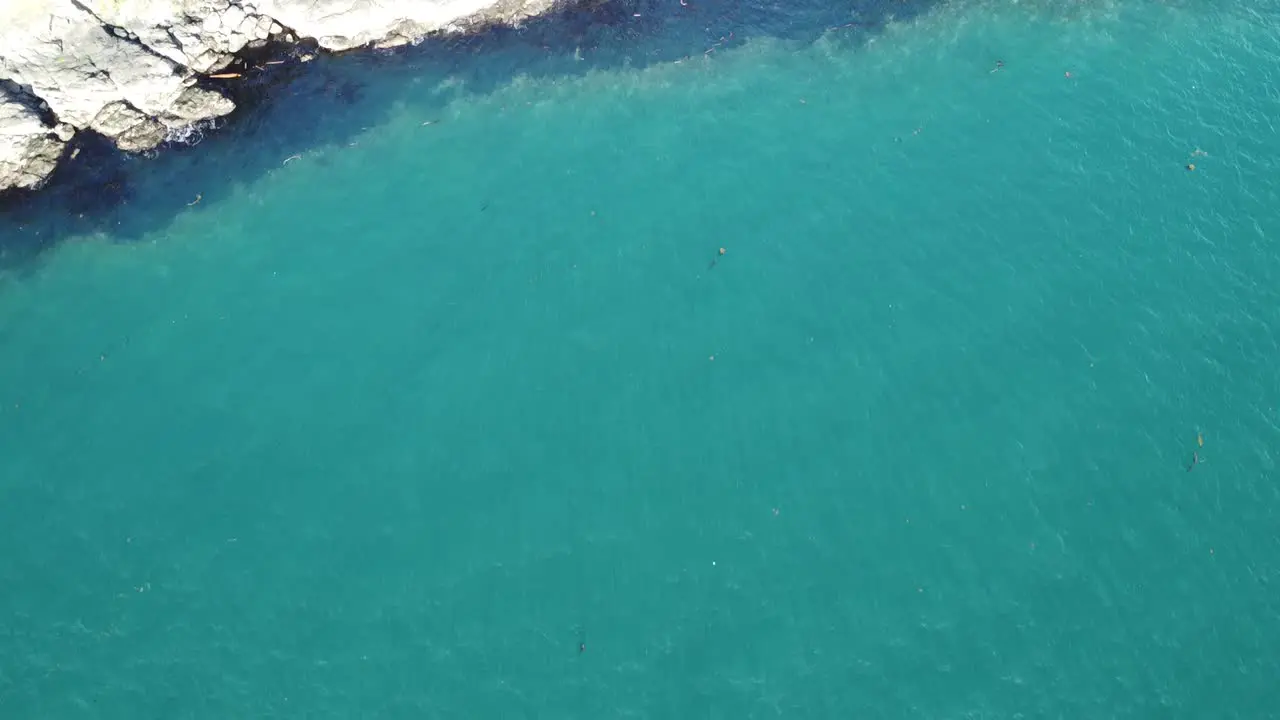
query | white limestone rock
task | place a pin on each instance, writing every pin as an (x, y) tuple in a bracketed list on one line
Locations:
[(200, 35), (29, 149), (339, 25), (128, 68), (100, 78)]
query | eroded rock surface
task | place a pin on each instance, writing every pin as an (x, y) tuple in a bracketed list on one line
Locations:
[(128, 69), (29, 149)]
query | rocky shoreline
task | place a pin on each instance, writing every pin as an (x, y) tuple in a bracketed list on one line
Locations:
[(140, 72)]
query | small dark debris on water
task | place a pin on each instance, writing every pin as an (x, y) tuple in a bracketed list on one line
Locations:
[(716, 259), (484, 207), (1195, 454), (106, 352)]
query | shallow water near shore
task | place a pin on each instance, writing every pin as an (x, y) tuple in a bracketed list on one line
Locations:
[(443, 402)]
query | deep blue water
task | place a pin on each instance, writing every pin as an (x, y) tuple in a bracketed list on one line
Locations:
[(443, 402)]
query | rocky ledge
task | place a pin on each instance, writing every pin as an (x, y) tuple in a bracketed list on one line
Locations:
[(132, 70)]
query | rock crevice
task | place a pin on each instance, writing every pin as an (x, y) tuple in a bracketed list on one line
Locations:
[(130, 69)]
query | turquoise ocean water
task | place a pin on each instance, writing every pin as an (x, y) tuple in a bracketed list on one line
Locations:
[(395, 427)]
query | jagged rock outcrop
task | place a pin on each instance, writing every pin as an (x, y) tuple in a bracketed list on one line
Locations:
[(29, 149), (128, 69), (339, 25)]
